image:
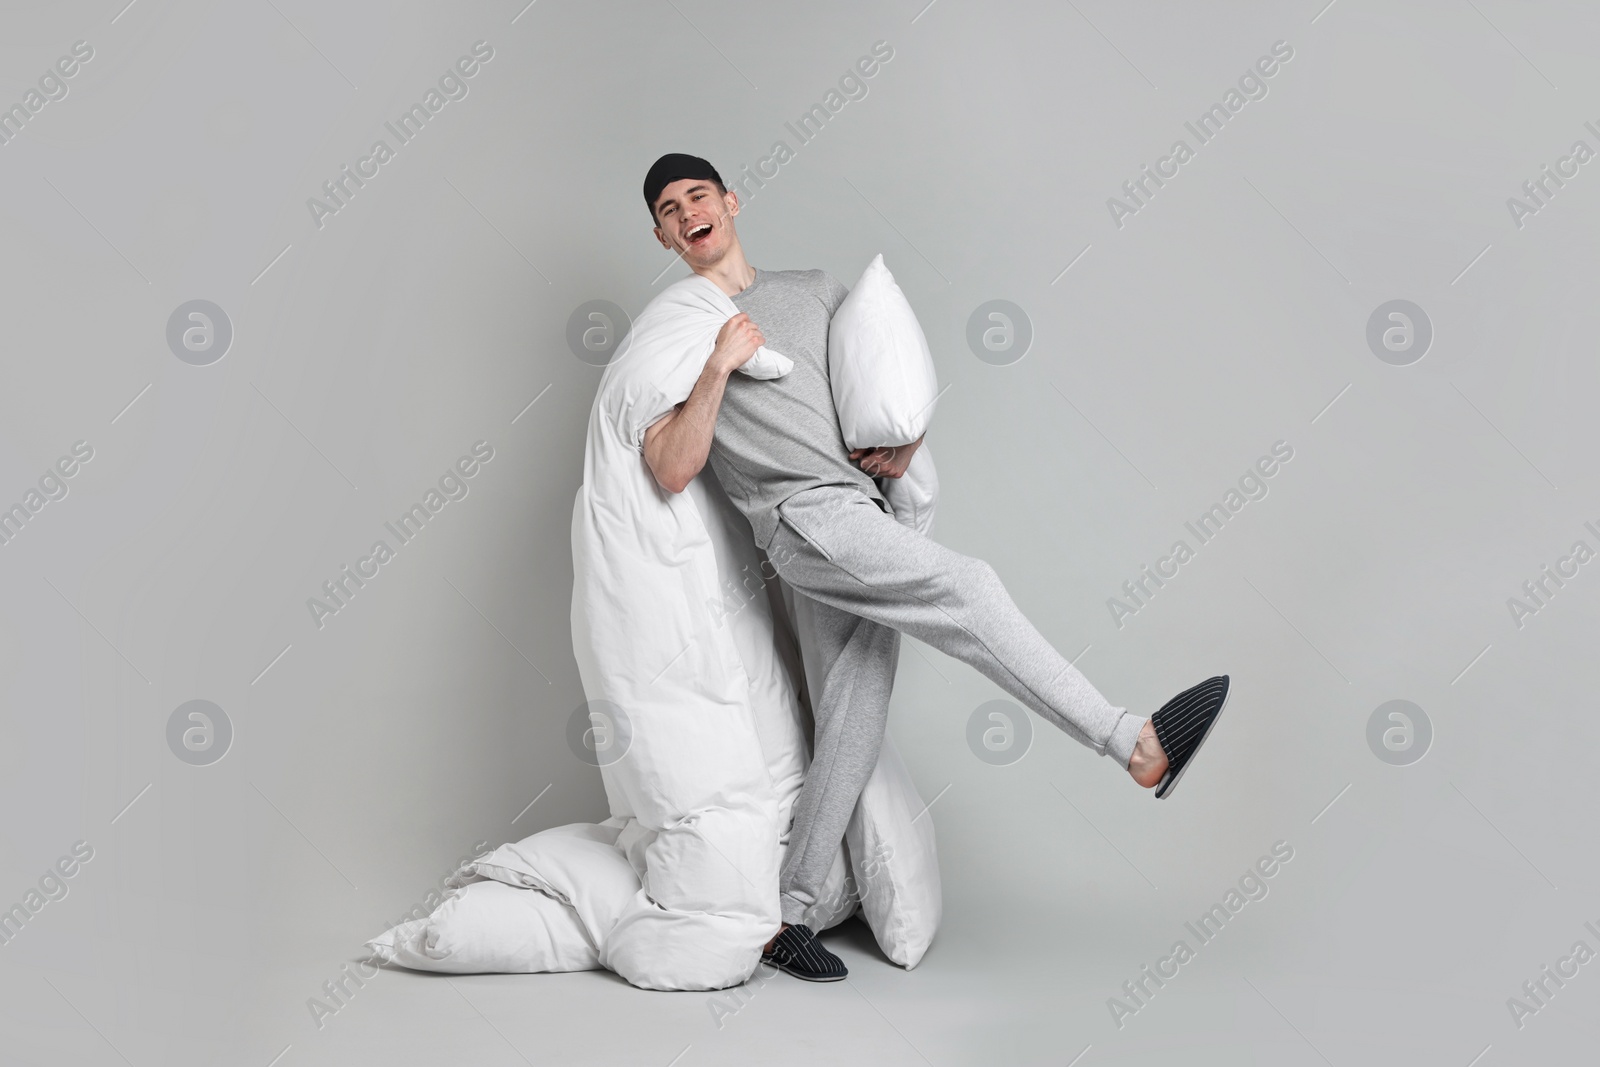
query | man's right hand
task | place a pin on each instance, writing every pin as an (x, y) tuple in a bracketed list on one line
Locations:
[(737, 341)]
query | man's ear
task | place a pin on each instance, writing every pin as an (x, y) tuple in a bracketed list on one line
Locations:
[(731, 202), (662, 237)]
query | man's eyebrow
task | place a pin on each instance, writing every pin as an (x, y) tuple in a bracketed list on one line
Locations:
[(692, 189)]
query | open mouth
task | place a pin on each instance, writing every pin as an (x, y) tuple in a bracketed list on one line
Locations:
[(698, 234)]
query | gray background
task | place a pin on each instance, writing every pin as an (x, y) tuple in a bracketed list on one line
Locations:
[(369, 354)]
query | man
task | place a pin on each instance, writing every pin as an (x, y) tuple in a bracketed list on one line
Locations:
[(776, 447)]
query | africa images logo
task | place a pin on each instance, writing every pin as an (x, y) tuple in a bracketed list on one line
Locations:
[(342, 188), (454, 484), (1252, 486), (52, 87), (1252, 85), (1138, 992)]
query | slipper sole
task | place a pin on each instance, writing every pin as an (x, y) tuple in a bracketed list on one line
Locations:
[(786, 969), (811, 977)]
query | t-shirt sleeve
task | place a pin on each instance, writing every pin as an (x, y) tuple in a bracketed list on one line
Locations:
[(834, 293)]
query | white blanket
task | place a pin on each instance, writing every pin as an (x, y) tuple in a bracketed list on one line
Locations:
[(701, 811), (678, 625)]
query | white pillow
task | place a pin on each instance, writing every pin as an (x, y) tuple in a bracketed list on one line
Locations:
[(488, 927), (895, 861), (545, 903), (879, 365), (577, 864)]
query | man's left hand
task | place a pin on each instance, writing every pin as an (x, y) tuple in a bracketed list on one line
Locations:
[(885, 461)]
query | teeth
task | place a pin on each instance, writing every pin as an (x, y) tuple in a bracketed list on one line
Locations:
[(702, 228)]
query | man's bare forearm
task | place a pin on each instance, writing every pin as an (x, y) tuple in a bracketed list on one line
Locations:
[(679, 451), (676, 445)]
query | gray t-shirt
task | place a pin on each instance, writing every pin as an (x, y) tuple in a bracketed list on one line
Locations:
[(778, 437)]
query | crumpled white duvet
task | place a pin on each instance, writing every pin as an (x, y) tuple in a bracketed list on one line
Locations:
[(679, 627)]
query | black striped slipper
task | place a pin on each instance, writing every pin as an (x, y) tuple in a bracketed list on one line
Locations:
[(1182, 725), (798, 952)]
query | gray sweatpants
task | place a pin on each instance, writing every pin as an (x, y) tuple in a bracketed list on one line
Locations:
[(873, 579)]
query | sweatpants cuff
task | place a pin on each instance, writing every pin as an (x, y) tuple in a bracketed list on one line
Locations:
[(792, 911), (1124, 736)]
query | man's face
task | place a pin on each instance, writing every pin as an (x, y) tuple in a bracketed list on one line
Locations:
[(696, 221)]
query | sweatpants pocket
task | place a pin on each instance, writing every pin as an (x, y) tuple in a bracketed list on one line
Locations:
[(788, 517)]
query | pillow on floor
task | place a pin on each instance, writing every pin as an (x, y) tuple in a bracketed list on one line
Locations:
[(545, 903), (577, 864), (896, 861), (489, 927), (879, 365)]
